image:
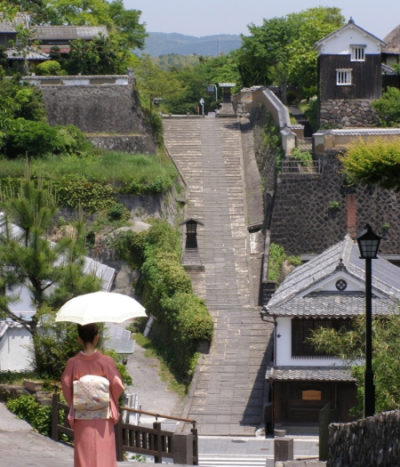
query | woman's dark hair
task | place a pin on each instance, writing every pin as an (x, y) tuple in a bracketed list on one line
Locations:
[(88, 332)]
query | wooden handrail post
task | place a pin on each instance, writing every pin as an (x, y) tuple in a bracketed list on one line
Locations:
[(118, 440), (195, 445), (158, 446), (54, 416)]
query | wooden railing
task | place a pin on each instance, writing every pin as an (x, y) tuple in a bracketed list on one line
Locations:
[(181, 447)]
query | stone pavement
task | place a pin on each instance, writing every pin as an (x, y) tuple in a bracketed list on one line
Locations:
[(228, 388)]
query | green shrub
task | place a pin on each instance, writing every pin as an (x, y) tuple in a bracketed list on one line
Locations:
[(28, 137), (166, 292), (303, 156), (388, 107), (80, 193), (117, 212), (190, 316), (276, 258), (129, 247), (49, 67), (26, 408), (162, 276)]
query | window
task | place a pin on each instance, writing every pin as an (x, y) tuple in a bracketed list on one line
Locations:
[(302, 330), (358, 53), (343, 76)]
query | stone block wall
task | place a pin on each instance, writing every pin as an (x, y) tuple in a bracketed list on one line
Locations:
[(97, 105), (309, 213), (371, 442), (345, 113)]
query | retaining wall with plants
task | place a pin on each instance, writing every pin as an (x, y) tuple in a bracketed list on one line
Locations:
[(96, 105), (310, 211)]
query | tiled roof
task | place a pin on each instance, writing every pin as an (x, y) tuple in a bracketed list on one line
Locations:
[(31, 55), (309, 374), (385, 279), (69, 33), (333, 305)]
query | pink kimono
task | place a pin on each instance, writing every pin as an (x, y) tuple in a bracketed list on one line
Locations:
[(94, 439)]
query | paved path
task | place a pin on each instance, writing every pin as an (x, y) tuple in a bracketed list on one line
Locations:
[(228, 388)]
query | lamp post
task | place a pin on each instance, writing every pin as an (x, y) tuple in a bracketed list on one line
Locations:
[(368, 244)]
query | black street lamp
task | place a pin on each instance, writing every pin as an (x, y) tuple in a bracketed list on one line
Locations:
[(368, 244)]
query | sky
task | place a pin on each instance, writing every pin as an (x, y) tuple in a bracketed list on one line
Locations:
[(208, 17)]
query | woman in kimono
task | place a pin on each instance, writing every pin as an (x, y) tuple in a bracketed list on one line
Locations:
[(94, 438)]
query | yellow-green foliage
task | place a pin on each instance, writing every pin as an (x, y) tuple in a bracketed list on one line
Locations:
[(374, 162)]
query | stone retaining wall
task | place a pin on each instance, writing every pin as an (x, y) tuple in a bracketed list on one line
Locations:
[(97, 104), (371, 442), (309, 213), (133, 144), (344, 113)]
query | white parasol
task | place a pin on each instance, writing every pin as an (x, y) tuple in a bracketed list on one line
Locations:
[(100, 307)]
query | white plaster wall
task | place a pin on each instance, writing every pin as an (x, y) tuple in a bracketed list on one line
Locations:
[(16, 350), (283, 351), (340, 44)]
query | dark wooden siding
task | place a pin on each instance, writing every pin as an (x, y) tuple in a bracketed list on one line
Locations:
[(366, 77), (289, 407)]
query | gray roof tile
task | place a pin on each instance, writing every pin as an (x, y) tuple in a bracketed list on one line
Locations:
[(309, 374), (333, 306), (385, 282)]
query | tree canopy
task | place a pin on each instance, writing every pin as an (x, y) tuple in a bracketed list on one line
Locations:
[(350, 345), (122, 23), (281, 51)]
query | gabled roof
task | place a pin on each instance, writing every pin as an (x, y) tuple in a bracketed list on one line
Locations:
[(68, 33), (392, 42), (350, 25), (291, 298)]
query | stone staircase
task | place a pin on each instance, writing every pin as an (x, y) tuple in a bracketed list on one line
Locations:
[(228, 389)]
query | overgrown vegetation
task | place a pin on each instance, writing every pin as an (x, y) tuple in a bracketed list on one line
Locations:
[(272, 140), (277, 258), (182, 319)]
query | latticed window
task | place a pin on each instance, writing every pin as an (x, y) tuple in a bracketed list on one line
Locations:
[(358, 53), (302, 331), (343, 76)]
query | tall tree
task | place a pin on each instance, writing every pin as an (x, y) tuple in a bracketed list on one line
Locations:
[(280, 51), (51, 272)]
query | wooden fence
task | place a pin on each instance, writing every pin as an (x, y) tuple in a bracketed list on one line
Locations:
[(181, 447)]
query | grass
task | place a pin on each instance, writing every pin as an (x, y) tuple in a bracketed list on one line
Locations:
[(117, 168), (165, 374)]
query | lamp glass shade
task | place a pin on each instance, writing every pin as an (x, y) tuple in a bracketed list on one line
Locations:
[(368, 243)]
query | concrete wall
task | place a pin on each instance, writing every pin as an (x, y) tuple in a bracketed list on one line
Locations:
[(250, 99), (16, 350), (337, 140), (371, 442)]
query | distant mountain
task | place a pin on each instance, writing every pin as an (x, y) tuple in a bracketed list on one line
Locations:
[(160, 43)]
